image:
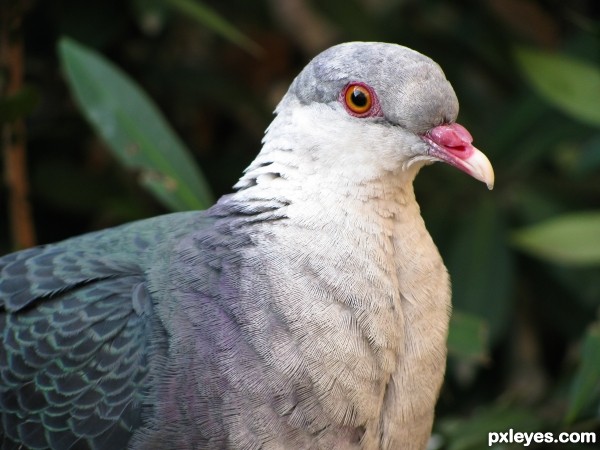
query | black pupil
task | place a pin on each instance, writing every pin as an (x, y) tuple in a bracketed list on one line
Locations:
[(359, 98)]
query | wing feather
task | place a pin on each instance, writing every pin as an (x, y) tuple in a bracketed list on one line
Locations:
[(79, 337)]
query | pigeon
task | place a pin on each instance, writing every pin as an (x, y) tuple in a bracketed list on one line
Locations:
[(308, 309)]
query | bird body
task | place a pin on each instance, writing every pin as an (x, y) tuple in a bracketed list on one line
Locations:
[(307, 310)]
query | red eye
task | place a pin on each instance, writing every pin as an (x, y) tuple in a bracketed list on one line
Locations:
[(360, 100)]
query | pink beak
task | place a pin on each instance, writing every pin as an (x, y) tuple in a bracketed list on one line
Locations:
[(452, 144)]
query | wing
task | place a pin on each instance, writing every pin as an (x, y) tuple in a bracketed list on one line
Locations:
[(80, 339)]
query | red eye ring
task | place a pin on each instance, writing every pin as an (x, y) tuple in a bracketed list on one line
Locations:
[(360, 100)]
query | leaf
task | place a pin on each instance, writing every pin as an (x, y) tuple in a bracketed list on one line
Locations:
[(586, 386), (133, 128), (589, 160), (473, 433), (481, 268), (569, 239), (211, 19), (468, 337), (569, 84)]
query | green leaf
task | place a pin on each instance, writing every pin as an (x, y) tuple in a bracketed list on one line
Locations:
[(569, 239), (211, 19), (569, 84), (133, 128), (472, 433), (468, 337), (586, 386), (589, 160), (480, 266)]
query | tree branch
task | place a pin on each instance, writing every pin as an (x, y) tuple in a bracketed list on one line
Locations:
[(13, 137)]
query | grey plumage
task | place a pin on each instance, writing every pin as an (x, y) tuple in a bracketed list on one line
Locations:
[(308, 309)]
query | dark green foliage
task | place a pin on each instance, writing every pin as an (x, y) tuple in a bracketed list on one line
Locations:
[(134, 129), (523, 258)]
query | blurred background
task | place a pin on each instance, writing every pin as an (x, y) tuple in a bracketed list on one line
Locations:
[(524, 258)]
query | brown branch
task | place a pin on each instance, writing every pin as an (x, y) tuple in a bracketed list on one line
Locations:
[(13, 139)]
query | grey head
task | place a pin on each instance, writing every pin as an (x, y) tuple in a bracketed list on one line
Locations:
[(411, 88), (362, 109)]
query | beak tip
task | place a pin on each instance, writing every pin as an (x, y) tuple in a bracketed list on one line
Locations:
[(480, 168)]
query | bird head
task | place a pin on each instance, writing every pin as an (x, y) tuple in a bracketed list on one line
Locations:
[(362, 108)]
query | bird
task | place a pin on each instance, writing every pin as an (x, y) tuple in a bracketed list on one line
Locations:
[(307, 309)]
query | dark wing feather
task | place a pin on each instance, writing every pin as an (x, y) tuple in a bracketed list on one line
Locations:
[(79, 338)]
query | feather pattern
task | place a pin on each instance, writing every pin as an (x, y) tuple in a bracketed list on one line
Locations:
[(307, 310)]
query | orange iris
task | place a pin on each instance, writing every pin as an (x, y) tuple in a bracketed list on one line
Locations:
[(358, 98)]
